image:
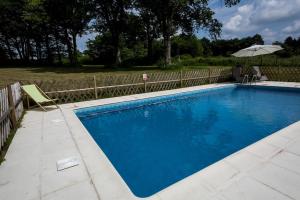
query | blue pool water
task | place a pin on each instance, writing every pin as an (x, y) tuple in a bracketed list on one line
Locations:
[(156, 142)]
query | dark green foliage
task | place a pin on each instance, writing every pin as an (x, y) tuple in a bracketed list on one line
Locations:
[(190, 51), (185, 15), (185, 44), (42, 31), (268, 60), (45, 31), (291, 47), (130, 32), (100, 50), (228, 47), (112, 16)]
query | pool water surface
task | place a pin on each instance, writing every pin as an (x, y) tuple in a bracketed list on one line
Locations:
[(155, 142)]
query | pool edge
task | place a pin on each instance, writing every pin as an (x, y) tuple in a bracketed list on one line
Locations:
[(110, 185)]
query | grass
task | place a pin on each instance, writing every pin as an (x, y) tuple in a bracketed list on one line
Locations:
[(13, 74)]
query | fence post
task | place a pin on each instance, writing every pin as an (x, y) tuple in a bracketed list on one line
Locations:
[(95, 87), (145, 77), (209, 75), (181, 81), (12, 108), (145, 85), (278, 72)]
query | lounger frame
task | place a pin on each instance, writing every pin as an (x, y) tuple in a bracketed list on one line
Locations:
[(39, 104)]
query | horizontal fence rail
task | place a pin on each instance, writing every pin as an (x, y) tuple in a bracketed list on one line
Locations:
[(11, 110), (103, 86)]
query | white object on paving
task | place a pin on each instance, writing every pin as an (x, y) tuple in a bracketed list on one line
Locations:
[(57, 120), (67, 163)]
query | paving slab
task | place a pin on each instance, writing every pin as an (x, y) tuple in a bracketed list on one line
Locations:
[(267, 169)]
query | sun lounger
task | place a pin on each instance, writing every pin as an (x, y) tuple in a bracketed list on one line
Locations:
[(37, 95)]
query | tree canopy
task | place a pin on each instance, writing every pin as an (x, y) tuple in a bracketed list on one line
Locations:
[(128, 31), (45, 31)]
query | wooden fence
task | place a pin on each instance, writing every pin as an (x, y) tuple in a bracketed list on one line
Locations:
[(286, 74), (11, 110), (103, 86)]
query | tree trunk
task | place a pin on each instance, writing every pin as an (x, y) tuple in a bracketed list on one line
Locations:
[(118, 56), (49, 53), (58, 47), (149, 42), (38, 50), (149, 47), (58, 51), (69, 47), (18, 50), (74, 48), (29, 49), (167, 40), (117, 49), (167, 46), (8, 49), (23, 49)]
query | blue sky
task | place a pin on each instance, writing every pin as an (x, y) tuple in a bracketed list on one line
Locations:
[(273, 19)]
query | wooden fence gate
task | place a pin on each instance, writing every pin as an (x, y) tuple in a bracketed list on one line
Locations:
[(11, 110)]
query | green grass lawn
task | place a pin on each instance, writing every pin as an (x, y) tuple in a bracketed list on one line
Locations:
[(13, 74)]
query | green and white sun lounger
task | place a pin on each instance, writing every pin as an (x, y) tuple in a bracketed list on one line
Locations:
[(37, 95)]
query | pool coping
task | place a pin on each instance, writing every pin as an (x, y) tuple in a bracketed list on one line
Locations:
[(205, 183)]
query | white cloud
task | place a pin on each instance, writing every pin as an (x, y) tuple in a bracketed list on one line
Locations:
[(270, 18), (240, 21), (234, 23), (274, 10), (294, 28), (268, 34), (246, 9)]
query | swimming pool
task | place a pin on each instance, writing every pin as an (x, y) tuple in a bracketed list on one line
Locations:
[(156, 142)]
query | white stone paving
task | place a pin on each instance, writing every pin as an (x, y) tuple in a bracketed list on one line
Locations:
[(268, 169)]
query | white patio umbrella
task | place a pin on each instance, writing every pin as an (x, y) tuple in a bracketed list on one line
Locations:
[(257, 50)]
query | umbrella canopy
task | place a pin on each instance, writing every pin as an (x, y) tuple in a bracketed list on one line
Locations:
[(257, 50)]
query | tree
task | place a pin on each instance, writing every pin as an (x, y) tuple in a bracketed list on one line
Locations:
[(151, 28), (207, 48), (39, 30), (228, 47), (257, 39), (12, 32), (72, 18), (291, 47), (100, 49), (112, 16), (185, 16), (186, 44)]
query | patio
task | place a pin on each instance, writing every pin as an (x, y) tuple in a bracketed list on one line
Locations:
[(268, 169)]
